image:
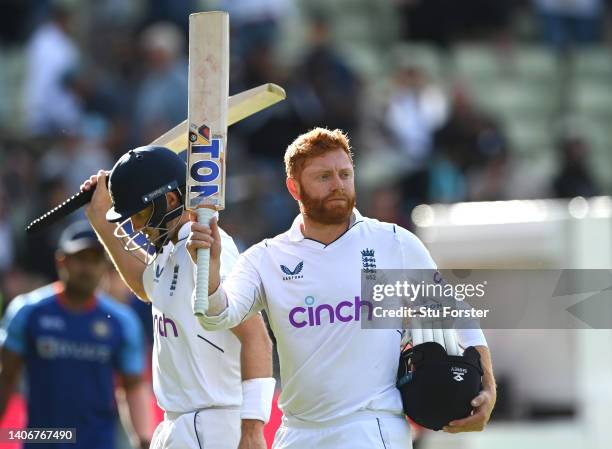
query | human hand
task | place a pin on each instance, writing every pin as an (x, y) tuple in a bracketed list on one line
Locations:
[(483, 407)]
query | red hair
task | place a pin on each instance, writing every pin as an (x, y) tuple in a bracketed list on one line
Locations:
[(314, 143)]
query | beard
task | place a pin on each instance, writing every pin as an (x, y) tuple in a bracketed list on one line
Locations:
[(83, 286), (325, 211)]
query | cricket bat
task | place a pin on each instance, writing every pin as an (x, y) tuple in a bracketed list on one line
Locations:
[(240, 106), (207, 129)]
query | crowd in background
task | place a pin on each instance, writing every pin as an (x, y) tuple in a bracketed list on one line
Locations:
[(83, 82)]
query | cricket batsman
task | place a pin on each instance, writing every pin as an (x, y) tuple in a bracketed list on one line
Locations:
[(339, 380), (196, 374)]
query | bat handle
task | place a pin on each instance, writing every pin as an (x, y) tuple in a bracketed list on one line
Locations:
[(200, 305), (73, 203)]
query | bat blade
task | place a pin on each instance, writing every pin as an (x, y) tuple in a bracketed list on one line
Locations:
[(207, 109), (247, 103), (240, 106), (207, 129)]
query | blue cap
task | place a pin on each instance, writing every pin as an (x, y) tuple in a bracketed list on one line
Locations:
[(77, 237)]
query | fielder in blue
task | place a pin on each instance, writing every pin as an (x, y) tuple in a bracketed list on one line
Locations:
[(72, 343)]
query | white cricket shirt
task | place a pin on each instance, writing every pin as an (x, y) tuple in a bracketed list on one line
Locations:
[(192, 368), (330, 366)]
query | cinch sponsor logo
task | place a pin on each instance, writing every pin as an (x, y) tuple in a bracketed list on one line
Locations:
[(342, 312), (160, 325)]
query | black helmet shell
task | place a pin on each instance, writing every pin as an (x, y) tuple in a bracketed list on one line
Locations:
[(142, 175)]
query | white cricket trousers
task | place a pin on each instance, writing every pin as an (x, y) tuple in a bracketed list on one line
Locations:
[(362, 430), (211, 428)]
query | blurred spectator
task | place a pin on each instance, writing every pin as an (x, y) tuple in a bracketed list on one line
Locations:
[(174, 11), (446, 21), (254, 23), (567, 22), (17, 170), (268, 133), (334, 86), (385, 204), (105, 18), (161, 102), (6, 234), (51, 55), (20, 192), (446, 181), (468, 141), (469, 137), (14, 20), (101, 95), (17, 281), (107, 104), (575, 177), (38, 252), (72, 157), (416, 109), (71, 342), (490, 182)]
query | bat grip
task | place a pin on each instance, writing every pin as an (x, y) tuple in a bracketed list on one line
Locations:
[(200, 305), (57, 213)]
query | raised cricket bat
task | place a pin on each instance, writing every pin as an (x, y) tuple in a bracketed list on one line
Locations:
[(207, 129), (240, 106)]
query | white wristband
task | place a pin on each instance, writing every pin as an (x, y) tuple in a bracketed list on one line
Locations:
[(257, 395)]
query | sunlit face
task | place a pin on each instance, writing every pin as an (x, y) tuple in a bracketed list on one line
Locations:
[(327, 188), (140, 220)]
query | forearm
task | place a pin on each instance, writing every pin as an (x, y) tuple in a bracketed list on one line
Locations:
[(138, 405), (256, 367), (129, 267), (488, 379), (256, 354)]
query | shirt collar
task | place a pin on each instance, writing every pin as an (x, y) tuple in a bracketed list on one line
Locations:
[(183, 232), (295, 231)]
